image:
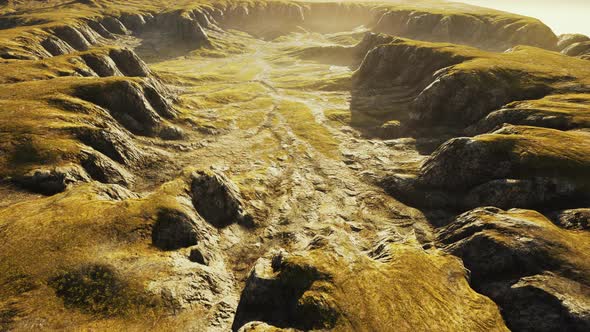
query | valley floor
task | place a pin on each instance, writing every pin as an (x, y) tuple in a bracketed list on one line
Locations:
[(279, 127)]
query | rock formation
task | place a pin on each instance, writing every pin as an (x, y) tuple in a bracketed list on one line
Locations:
[(291, 166)]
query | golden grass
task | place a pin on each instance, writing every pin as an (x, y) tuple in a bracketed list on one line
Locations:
[(543, 151), (416, 290), (304, 125)]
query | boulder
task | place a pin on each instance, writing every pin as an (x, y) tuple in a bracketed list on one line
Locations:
[(174, 230), (198, 255), (218, 200)]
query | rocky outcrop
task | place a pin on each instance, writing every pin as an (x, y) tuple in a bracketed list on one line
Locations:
[(574, 219), (324, 288), (351, 56), (527, 265), (104, 170), (134, 22), (512, 167), (101, 64), (113, 25), (560, 111), (279, 18), (117, 62), (126, 101), (113, 142), (73, 37), (218, 200), (56, 46), (392, 76), (506, 153), (129, 63), (477, 30), (100, 29), (446, 87), (52, 181), (174, 230)]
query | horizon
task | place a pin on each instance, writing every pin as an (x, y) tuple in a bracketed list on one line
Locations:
[(566, 16)]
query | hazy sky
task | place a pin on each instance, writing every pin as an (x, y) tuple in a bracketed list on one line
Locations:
[(563, 16)]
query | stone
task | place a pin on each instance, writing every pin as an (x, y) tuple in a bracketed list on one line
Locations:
[(52, 181), (218, 200), (196, 256), (174, 230), (574, 219)]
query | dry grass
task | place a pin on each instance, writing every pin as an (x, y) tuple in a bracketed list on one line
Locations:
[(304, 125), (416, 290)]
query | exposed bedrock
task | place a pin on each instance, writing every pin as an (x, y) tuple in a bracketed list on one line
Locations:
[(105, 170), (129, 63), (174, 230), (56, 46), (54, 180), (100, 29), (527, 265), (138, 105), (516, 166), (218, 200), (101, 64), (181, 27), (116, 62), (134, 22), (335, 16), (73, 37), (485, 31), (333, 287), (113, 142), (432, 88), (575, 219), (392, 75), (264, 20), (351, 56), (113, 25)]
